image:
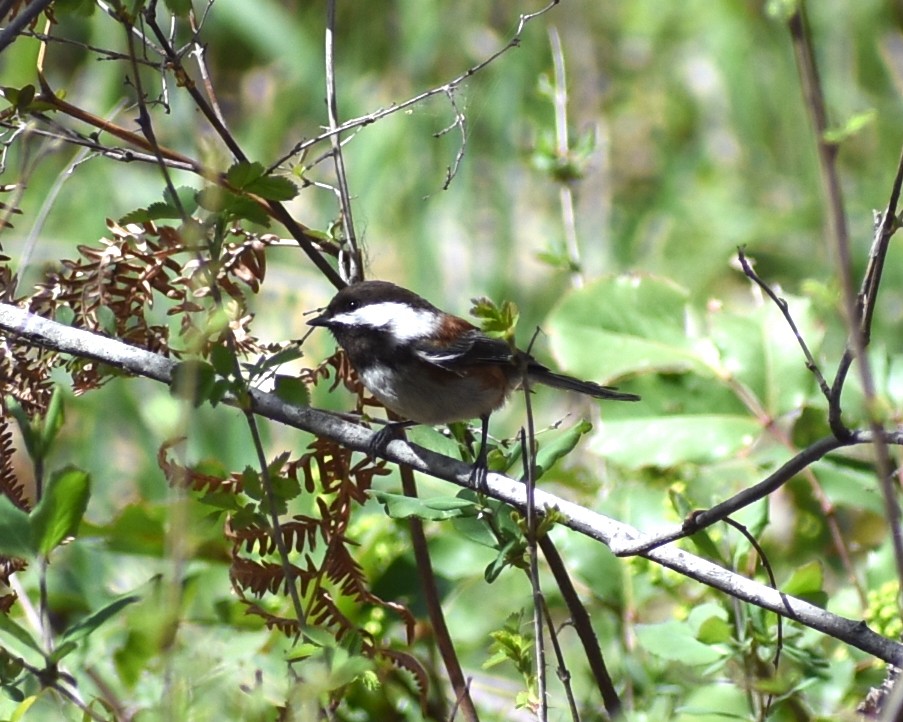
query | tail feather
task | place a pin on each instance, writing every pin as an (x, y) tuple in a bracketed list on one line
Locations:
[(541, 374)]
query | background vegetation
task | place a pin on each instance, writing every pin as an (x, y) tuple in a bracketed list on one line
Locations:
[(688, 136)]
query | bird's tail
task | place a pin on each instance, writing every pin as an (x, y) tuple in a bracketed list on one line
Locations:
[(540, 374)]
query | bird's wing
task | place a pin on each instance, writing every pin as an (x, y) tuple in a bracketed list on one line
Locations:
[(469, 348)]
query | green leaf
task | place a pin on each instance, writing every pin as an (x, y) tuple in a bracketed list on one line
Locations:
[(60, 509), (243, 173), (179, 8), (86, 626), (53, 421), (15, 531), (222, 359), (759, 349), (496, 320), (284, 355), (19, 633), (273, 188), (807, 582), (82, 8), (561, 446), (154, 212), (399, 506), (675, 642), (30, 436), (624, 325), (292, 390), (680, 438), (853, 125), (186, 197), (710, 624)]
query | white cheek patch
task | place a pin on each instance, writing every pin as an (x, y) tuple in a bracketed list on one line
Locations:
[(403, 322)]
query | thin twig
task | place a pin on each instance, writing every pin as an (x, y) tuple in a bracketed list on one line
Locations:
[(563, 150), (26, 15), (451, 85), (427, 577), (785, 310), (857, 335), (351, 262), (766, 565), (299, 232), (583, 626), (564, 674)]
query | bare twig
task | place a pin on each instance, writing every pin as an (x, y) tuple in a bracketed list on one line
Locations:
[(445, 89), (430, 591), (563, 150), (583, 626), (564, 674), (857, 335), (785, 310), (351, 261), (18, 23)]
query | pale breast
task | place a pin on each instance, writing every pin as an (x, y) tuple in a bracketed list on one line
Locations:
[(432, 399)]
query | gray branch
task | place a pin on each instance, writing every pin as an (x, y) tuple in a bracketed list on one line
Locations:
[(49, 334)]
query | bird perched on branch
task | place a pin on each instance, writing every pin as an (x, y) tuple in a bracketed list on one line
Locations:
[(431, 367)]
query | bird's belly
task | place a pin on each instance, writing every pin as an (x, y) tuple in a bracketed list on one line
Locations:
[(437, 399)]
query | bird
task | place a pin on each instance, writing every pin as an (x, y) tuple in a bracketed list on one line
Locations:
[(432, 367)]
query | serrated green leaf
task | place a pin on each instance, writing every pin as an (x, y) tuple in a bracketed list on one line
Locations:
[(242, 173), (249, 210), (215, 199), (60, 509), (186, 197), (273, 188)]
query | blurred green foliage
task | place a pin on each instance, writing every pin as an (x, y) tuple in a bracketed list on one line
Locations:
[(689, 138)]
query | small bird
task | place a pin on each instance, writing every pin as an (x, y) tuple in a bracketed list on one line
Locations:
[(431, 367)]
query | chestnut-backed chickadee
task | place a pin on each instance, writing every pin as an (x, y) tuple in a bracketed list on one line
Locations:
[(431, 367)]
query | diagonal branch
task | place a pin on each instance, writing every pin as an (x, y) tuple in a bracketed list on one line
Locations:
[(42, 332)]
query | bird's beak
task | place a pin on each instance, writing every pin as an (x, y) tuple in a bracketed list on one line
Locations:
[(320, 320)]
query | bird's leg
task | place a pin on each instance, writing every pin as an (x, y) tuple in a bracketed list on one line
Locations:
[(380, 440), (480, 467)]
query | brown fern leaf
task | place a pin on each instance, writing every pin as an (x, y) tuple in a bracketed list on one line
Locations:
[(409, 663), (25, 374), (184, 477), (258, 577), (299, 534), (324, 612), (12, 485), (288, 627), (344, 571)]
